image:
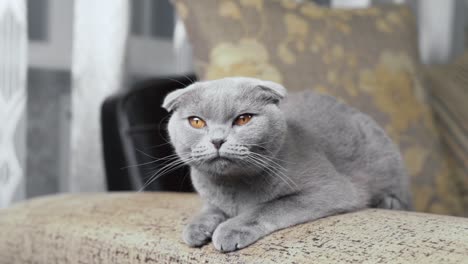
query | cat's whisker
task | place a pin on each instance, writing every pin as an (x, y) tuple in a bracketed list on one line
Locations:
[(165, 170), (169, 164), (146, 154), (271, 166), (259, 144), (278, 173), (138, 165), (158, 171), (169, 157), (278, 159), (159, 126), (159, 131), (165, 162), (174, 80), (273, 158), (183, 180), (272, 172), (188, 78), (154, 178), (151, 171), (269, 158), (172, 156), (163, 159), (277, 166), (247, 162), (159, 145), (169, 169), (160, 135)]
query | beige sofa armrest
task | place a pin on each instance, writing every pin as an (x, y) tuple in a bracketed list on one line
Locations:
[(146, 228)]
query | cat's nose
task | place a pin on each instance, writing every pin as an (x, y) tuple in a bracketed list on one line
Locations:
[(217, 142)]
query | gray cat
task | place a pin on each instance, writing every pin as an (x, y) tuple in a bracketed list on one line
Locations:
[(262, 162)]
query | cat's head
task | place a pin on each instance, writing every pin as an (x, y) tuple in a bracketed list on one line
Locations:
[(223, 126)]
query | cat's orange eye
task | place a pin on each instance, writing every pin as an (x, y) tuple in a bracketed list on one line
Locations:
[(243, 119), (196, 122)]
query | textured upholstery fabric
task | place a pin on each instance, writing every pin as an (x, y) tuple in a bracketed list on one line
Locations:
[(146, 228), (366, 57), (449, 99)]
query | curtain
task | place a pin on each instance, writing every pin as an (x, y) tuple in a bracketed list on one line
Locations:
[(13, 41), (441, 27), (98, 60)]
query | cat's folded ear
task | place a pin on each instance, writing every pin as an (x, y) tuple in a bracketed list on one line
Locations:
[(268, 91), (172, 100), (271, 91)]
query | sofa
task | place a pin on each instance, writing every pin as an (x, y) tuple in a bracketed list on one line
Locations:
[(125, 227), (365, 57)]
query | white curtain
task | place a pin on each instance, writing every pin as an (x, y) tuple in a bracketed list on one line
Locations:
[(350, 3), (441, 27), (13, 41), (98, 60), (182, 49)]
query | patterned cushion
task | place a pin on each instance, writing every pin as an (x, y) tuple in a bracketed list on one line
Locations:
[(146, 228), (366, 57), (449, 97)]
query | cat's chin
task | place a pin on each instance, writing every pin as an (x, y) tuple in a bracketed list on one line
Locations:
[(220, 162), (221, 165)]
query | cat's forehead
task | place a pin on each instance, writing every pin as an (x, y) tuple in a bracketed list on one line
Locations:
[(222, 89), (220, 99)]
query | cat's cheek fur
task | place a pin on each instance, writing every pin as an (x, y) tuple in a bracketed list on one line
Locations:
[(180, 135)]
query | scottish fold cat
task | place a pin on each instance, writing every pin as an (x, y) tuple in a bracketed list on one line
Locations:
[(262, 161)]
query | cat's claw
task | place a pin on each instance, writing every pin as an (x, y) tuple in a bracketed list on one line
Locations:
[(227, 238)]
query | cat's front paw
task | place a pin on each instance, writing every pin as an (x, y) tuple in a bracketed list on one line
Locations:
[(196, 234), (229, 236), (199, 231)]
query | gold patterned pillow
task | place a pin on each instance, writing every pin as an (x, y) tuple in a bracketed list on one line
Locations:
[(366, 57)]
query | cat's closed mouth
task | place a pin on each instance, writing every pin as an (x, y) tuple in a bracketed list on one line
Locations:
[(218, 158)]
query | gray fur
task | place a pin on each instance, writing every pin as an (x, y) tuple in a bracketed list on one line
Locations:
[(300, 158)]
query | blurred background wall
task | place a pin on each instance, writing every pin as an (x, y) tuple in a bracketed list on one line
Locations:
[(79, 51)]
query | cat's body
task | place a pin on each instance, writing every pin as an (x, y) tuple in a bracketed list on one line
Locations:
[(298, 159)]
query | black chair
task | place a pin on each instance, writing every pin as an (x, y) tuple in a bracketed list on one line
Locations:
[(135, 140)]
